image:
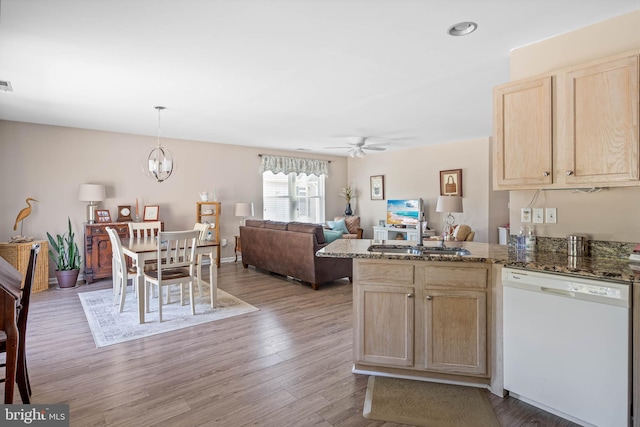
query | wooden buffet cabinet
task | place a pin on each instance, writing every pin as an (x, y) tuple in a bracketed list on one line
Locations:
[(574, 127), (97, 249), (422, 319)]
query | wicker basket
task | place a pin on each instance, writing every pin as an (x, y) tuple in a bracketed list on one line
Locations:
[(17, 254)]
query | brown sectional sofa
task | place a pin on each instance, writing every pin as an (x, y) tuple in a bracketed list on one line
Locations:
[(289, 248)]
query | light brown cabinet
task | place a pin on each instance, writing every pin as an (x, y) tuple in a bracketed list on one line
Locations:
[(523, 134), (577, 127), (455, 318), (423, 318), (599, 122)]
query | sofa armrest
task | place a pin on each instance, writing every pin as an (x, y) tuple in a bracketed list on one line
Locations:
[(360, 231)]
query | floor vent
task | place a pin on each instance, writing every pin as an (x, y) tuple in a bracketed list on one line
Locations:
[(6, 86)]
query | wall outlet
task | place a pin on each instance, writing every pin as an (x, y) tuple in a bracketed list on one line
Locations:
[(538, 216), (224, 242), (551, 215), (525, 215)]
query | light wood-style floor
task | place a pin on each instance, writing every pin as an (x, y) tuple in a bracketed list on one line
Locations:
[(288, 364)]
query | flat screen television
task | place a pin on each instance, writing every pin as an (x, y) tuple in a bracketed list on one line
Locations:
[(404, 212)]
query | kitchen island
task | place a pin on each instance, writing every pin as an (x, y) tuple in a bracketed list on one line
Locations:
[(439, 317)]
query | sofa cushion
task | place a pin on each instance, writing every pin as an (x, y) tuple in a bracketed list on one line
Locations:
[(305, 227), (276, 225), (338, 226), (331, 235), (255, 223)]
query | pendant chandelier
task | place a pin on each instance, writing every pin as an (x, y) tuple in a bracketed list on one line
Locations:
[(160, 163)]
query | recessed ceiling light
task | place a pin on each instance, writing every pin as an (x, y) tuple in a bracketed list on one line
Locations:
[(463, 28)]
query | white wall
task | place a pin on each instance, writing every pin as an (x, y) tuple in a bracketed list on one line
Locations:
[(48, 163), (415, 172)]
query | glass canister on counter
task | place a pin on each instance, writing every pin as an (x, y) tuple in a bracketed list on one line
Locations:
[(526, 239)]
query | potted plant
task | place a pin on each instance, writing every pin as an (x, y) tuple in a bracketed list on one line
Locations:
[(64, 252)]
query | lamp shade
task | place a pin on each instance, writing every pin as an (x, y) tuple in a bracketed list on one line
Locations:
[(449, 204), (244, 209), (91, 193)]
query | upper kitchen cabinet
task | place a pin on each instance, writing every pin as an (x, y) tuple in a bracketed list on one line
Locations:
[(522, 134), (580, 131), (598, 121)]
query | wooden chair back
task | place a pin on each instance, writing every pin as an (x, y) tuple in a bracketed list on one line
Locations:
[(144, 229)]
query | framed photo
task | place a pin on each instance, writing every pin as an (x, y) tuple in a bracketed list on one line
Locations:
[(377, 187), (151, 213), (103, 215), (451, 182)]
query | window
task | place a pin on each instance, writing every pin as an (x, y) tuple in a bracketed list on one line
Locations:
[(293, 197)]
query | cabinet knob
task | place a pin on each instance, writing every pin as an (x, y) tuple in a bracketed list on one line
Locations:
[(545, 173), (429, 297), (409, 295), (569, 173)]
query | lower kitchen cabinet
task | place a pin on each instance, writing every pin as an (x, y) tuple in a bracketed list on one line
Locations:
[(385, 325), (455, 326), (422, 318)]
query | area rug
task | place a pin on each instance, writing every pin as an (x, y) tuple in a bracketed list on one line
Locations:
[(422, 403), (110, 327)]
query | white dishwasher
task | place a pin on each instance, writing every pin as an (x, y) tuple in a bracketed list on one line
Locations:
[(567, 345)]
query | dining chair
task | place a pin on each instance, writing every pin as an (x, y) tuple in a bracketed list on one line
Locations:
[(144, 229), (203, 228), (120, 272), (175, 264), (22, 375)]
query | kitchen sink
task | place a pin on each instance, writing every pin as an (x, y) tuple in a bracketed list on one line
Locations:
[(417, 250)]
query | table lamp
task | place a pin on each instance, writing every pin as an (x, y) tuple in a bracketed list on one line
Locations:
[(244, 210), (449, 204), (91, 193)]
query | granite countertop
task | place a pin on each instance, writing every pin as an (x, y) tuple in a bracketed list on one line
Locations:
[(610, 268)]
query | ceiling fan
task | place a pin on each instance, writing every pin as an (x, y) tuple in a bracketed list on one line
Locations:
[(358, 144)]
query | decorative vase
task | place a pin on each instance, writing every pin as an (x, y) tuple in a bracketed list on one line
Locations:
[(348, 211), (67, 278)]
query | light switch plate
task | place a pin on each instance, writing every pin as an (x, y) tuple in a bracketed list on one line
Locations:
[(538, 216), (551, 215), (525, 215)]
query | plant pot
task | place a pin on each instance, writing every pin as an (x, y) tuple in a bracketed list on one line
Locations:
[(67, 278)]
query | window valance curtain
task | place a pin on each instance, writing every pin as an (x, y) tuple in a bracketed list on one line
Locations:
[(287, 165)]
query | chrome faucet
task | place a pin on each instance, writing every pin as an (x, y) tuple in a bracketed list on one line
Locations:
[(421, 226)]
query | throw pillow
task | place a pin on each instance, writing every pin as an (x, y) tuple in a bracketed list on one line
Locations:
[(331, 235), (338, 226)]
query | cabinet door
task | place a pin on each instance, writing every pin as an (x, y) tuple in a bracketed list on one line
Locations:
[(522, 134), (456, 331), (384, 325), (601, 122), (379, 233)]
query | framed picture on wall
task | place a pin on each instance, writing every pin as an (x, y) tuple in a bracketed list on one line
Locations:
[(377, 187), (451, 182), (151, 213)]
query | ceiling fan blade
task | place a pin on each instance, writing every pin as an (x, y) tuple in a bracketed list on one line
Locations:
[(329, 148), (374, 148)]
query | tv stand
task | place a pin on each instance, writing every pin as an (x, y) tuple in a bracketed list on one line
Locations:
[(392, 233)]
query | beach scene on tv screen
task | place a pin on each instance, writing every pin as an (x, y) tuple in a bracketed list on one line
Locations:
[(403, 212)]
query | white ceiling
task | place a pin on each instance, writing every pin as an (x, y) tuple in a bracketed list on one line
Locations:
[(280, 74)]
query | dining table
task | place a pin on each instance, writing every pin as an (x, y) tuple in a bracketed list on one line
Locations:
[(10, 294), (144, 249)]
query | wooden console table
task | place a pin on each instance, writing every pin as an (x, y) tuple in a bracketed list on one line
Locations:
[(17, 254), (97, 249), (237, 248)]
